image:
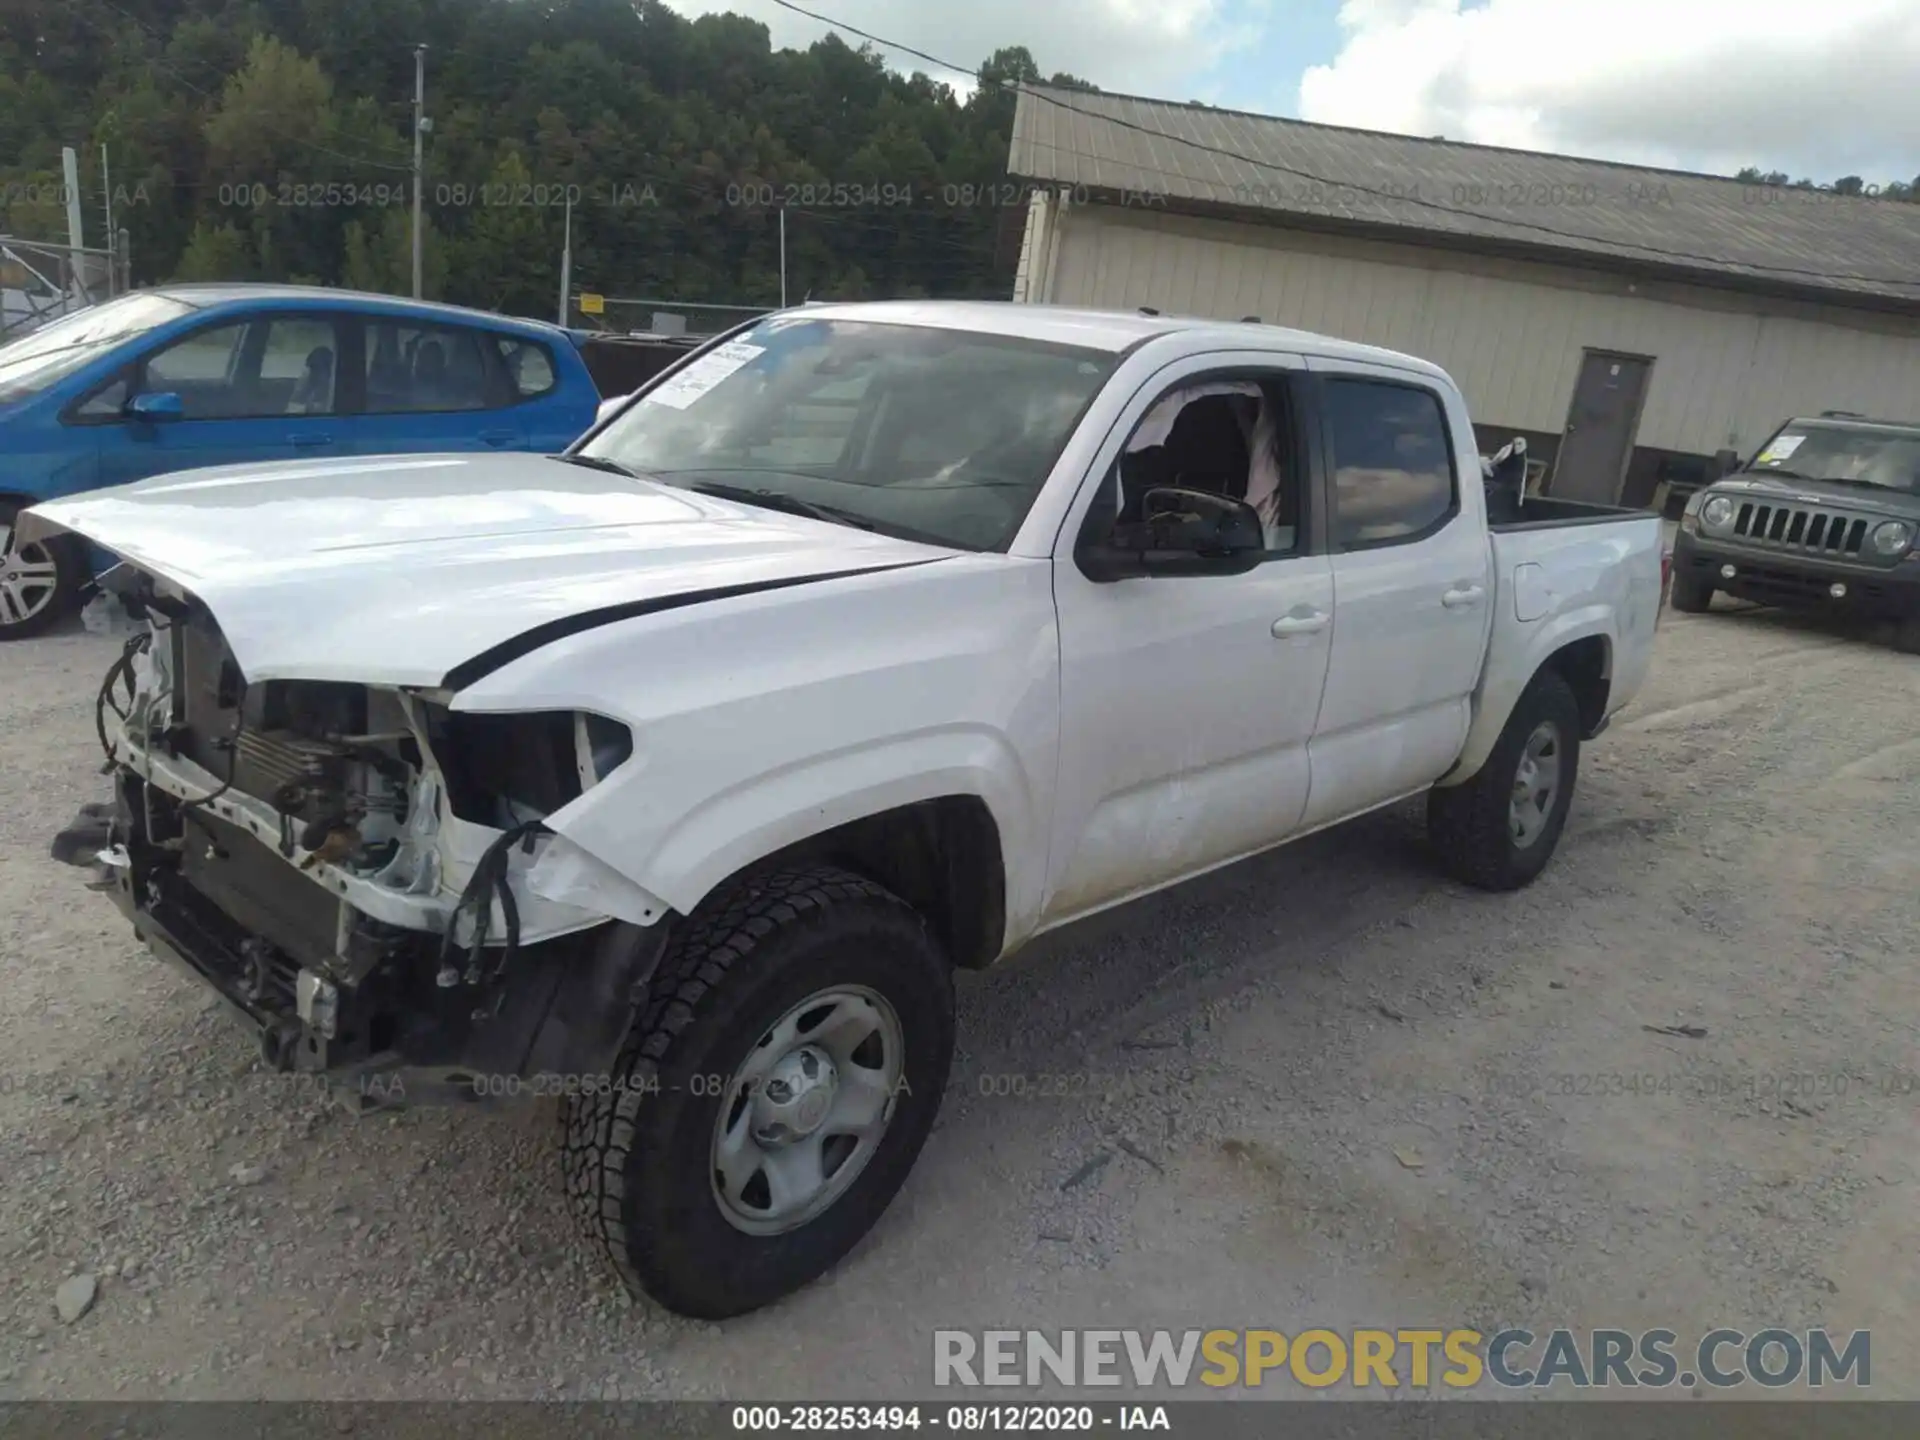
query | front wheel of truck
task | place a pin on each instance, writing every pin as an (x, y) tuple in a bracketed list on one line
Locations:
[(773, 1094), (1498, 830)]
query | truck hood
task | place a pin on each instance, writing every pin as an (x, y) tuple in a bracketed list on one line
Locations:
[(1865, 499), (398, 570)]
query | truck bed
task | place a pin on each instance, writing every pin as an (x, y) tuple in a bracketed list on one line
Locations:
[(1566, 569), (1540, 512)]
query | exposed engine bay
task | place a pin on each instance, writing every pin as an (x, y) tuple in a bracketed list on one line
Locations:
[(351, 866)]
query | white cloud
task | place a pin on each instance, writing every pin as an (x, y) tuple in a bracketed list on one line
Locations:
[(1146, 46), (1821, 88)]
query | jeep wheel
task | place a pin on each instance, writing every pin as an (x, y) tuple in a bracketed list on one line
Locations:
[(1498, 830), (1906, 635), (776, 1088), (1688, 594), (39, 582)]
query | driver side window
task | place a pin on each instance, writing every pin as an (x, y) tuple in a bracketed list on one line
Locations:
[(107, 402), (1233, 438), (202, 370)]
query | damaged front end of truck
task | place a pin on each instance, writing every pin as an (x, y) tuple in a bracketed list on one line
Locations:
[(364, 874)]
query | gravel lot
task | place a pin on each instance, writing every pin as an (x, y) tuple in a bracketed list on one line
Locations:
[(1324, 1087)]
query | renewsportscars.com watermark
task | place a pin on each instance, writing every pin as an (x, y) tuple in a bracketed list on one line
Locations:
[(1409, 1359)]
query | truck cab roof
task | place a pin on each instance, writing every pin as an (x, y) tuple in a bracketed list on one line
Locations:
[(1112, 330)]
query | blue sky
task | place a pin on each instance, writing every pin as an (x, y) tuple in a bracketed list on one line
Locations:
[(1265, 77), (1654, 82)]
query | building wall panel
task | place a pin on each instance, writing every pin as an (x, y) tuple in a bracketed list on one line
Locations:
[(1727, 367)]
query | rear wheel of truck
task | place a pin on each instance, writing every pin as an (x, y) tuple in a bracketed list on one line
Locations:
[(779, 1081), (39, 582), (1689, 594), (1498, 830)]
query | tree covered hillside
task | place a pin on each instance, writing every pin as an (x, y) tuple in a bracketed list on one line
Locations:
[(272, 140)]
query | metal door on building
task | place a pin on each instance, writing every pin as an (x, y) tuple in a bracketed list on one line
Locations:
[(1602, 422)]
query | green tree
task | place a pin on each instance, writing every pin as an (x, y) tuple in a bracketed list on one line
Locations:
[(378, 254), (215, 251), (270, 139), (509, 257), (275, 114)]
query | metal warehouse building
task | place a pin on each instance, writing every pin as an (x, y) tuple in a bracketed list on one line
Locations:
[(1633, 324)]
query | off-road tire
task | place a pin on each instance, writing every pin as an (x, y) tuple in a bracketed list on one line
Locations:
[(637, 1160), (1688, 594), (1905, 635), (1469, 823), (69, 559)]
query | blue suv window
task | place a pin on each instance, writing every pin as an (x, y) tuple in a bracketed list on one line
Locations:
[(529, 366), (414, 368), (246, 369)]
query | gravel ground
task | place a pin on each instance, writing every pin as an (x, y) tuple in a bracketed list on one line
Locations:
[(1324, 1087)]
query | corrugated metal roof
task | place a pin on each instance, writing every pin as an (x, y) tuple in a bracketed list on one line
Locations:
[(1188, 156)]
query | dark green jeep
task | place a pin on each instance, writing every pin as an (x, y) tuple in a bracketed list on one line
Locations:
[(1824, 517)]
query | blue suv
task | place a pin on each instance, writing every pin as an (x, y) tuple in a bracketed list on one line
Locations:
[(194, 375)]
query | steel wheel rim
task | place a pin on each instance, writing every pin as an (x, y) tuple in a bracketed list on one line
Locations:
[(806, 1110), (1536, 785), (29, 579)]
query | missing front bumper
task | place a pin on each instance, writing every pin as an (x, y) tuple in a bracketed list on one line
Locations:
[(327, 992)]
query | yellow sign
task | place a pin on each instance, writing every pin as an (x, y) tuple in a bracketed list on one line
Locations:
[(593, 304)]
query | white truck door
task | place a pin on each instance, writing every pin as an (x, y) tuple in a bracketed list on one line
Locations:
[(1187, 703), (1412, 576)]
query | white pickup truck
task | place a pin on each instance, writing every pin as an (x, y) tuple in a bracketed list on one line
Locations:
[(675, 776)]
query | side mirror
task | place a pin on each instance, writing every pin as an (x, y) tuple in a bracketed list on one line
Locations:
[(164, 406), (1182, 532)]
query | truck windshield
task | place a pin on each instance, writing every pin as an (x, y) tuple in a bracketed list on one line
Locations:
[(1885, 457), (931, 434), (32, 363)]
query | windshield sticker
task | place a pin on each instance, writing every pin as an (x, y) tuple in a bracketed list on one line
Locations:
[(705, 373), (1781, 449)]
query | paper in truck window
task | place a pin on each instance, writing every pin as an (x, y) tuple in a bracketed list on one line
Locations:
[(703, 374), (1780, 449)]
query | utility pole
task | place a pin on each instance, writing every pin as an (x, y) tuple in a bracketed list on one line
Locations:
[(106, 191), (783, 257), (419, 134), (566, 262), (77, 263)]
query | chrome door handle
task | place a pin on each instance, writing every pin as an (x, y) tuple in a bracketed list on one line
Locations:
[(1310, 623), (1461, 596)]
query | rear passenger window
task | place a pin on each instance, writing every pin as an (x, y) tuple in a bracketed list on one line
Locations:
[(528, 366), (413, 368), (1392, 461), (296, 368)]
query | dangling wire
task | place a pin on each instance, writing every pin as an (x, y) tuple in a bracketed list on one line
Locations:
[(489, 879), (121, 669), (232, 746)]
